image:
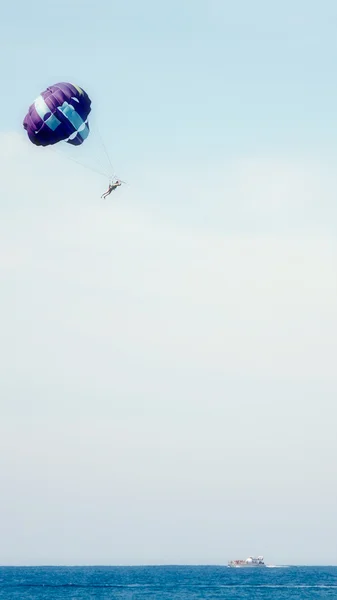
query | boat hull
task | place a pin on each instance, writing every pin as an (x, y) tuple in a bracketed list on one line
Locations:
[(246, 566)]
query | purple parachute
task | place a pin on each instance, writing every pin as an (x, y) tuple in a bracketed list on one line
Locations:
[(60, 113)]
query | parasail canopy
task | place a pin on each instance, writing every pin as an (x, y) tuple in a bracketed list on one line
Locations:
[(60, 113)]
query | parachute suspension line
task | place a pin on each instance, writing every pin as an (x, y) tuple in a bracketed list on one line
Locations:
[(78, 162), (104, 148)]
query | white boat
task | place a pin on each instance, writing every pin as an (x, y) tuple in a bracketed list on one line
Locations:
[(249, 562)]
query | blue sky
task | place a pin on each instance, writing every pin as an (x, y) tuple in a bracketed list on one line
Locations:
[(195, 81), (151, 344)]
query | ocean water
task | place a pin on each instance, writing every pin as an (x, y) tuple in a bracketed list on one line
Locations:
[(167, 583)]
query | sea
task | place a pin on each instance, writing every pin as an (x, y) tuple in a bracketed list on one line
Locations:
[(167, 583)]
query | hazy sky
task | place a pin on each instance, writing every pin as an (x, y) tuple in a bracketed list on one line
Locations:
[(168, 378)]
